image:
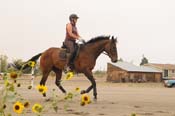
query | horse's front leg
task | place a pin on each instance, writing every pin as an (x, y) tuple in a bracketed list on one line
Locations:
[(90, 77), (58, 73)]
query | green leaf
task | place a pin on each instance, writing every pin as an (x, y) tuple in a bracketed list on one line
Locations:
[(55, 108), (12, 88)]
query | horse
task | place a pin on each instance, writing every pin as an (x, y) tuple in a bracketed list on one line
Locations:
[(84, 62)]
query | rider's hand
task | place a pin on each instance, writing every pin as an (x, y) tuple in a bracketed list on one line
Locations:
[(81, 39)]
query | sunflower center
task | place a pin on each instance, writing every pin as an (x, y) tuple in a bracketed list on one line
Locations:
[(85, 98), (41, 90), (17, 107)]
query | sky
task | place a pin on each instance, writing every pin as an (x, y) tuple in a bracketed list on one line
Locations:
[(143, 27)]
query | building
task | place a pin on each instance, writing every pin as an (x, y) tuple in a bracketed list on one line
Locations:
[(127, 72), (167, 69)]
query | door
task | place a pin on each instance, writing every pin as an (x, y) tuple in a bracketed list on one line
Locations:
[(165, 73)]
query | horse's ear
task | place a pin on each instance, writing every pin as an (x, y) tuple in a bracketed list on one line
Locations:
[(111, 37), (114, 39)]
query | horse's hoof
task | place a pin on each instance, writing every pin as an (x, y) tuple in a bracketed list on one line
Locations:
[(95, 98), (30, 87), (83, 92)]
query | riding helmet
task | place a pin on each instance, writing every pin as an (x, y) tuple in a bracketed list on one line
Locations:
[(73, 16)]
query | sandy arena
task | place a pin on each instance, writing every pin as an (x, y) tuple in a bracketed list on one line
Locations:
[(114, 99)]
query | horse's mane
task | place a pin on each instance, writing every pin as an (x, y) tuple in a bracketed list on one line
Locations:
[(98, 38)]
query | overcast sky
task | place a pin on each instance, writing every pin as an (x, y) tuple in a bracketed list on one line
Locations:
[(147, 27)]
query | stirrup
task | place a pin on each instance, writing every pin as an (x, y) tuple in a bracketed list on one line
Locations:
[(66, 69)]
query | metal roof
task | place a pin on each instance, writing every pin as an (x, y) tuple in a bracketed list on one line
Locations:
[(133, 68), (161, 66)]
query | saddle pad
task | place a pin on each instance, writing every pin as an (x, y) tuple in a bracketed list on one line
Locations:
[(62, 54)]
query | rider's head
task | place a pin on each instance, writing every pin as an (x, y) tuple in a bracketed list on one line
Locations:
[(73, 18)]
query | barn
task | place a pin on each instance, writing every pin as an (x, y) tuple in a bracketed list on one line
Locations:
[(167, 69), (127, 72)]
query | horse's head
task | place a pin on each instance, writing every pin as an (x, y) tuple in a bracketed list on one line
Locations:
[(111, 49)]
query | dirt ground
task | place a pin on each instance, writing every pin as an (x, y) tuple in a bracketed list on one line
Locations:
[(114, 99)]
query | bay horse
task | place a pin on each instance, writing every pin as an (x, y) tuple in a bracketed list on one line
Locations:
[(83, 63)]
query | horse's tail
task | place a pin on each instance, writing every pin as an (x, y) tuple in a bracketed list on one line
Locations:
[(26, 65), (35, 58)]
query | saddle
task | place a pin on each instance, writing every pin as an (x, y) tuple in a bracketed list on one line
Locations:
[(64, 52)]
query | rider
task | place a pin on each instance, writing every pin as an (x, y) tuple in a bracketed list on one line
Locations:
[(71, 36)]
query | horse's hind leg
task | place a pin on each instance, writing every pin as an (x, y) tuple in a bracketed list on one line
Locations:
[(58, 79), (44, 79)]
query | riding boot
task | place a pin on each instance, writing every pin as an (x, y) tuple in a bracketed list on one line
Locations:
[(66, 67), (71, 61)]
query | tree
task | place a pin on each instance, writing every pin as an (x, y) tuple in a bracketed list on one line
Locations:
[(19, 62), (3, 63), (144, 60)]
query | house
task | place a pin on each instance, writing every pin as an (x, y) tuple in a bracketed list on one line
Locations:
[(167, 69), (127, 72)]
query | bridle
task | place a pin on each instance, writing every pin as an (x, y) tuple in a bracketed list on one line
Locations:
[(109, 51), (105, 53)]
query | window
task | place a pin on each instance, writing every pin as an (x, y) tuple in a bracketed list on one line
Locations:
[(165, 73)]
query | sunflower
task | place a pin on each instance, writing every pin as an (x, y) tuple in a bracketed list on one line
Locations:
[(26, 104), (42, 89), (13, 75), (4, 106), (82, 103), (9, 114), (37, 108), (18, 85), (69, 75), (133, 114), (30, 87), (31, 63), (77, 89), (18, 107), (85, 99), (69, 96)]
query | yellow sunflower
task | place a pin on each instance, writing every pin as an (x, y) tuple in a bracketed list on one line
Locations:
[(69, 75), (13, 75), (77, 89), (85, 99), (26, 104), (31, 64), (82, 103), (37, 108), (18, 107), (133, 114), (42, 88)]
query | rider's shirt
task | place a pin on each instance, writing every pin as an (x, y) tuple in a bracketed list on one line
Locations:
[(74, 31)]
